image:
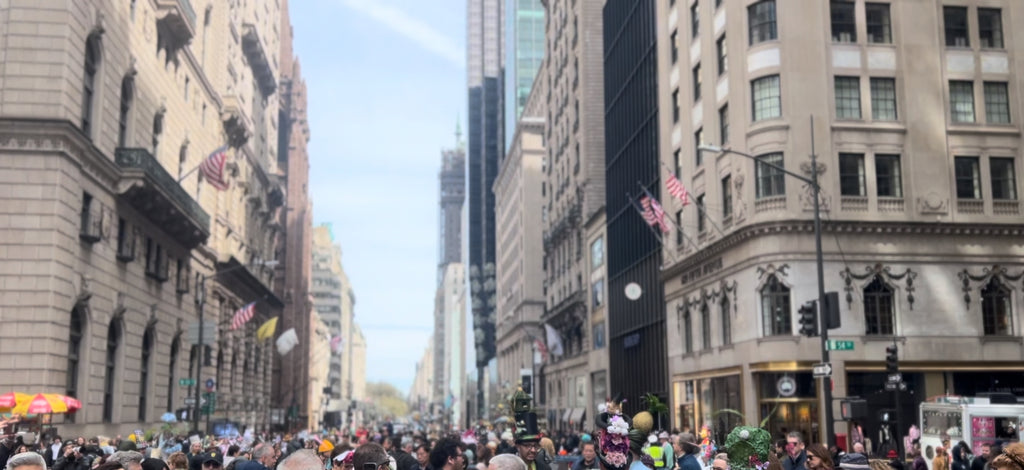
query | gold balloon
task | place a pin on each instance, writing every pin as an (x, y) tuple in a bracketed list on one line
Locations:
[(643, 422)]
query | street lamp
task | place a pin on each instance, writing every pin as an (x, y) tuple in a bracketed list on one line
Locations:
[(200, 304), (822, 322)]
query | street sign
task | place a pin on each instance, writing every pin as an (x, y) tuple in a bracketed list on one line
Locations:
[(186, 382), (891, 387), (823, 370), (895, 378), (190, 401), (839, 345)]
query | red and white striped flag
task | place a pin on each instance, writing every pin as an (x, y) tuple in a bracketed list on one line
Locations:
[(648, 213), (654, 214), (543, 349), (243, 315), (675, 188), (213, 168), (336, 344)]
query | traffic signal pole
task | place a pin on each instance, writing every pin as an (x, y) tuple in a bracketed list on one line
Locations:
[(826, 383)]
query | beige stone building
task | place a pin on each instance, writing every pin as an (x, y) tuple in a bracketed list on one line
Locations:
[(421, 394), (916, 119), (319, 371), (104, 106), (596, 391), (358, 364), (520, 284), (573, 192)]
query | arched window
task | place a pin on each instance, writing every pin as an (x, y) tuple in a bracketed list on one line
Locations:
[(878, 308), (995, 309), (158, 129), (76, 334), (705, 325), (110, 369), (775, 308), (93, 50), (726, 321), (171, 369), (145, 357), (182, 159), (687, 332), (127, 97)]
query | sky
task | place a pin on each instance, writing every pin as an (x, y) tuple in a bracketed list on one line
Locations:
[(386, 85)]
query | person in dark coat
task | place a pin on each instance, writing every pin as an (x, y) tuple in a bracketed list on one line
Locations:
[(796, 457)]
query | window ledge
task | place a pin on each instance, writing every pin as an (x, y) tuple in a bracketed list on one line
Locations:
[(875, 126), (705, 351), (1001, 339), (990, 129), (876, 338), (726, 347), (779, 339), (767, 125)]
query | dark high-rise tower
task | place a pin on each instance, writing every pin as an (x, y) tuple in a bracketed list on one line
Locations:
[(636, 327), (452, 181), (485, 79)]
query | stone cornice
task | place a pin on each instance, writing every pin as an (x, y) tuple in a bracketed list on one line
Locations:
[(53, 135), (841, 227)]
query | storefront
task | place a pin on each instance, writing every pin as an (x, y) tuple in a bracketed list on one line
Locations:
[(700, 401), (789, 401)]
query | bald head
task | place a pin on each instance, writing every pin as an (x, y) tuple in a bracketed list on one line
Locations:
[(506, 462), (304, 459)]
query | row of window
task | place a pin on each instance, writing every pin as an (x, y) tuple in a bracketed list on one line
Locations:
[(879, 312)]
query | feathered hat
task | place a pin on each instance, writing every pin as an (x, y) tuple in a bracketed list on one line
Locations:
[(614, 441), (524, 419)]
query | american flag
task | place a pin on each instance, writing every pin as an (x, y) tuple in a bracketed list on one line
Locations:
[(675, 188), (543, 349), (653, 213), (336, 343), (243, 315), (213, 168)]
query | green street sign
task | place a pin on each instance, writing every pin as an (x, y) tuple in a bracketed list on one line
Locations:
[(839, 345), (186, 382)]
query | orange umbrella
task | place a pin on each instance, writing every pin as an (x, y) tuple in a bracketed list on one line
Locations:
[(42, 403), (10, 400)]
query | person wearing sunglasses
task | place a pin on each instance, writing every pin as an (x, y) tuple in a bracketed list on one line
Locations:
[(818, 457)]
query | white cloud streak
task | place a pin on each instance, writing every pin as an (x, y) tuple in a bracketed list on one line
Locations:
[(412, 28)]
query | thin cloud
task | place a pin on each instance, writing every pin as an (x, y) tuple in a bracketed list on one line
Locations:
[(412, 28)]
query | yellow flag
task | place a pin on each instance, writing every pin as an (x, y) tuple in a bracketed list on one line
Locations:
[(267, 329)]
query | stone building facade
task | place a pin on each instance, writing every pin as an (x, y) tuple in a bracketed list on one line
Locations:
[(104, 107), (573, 192), (520, 284), (911, 110)]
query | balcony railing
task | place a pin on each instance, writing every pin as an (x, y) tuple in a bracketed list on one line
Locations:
[(147, 186), (252, 45), (177, 23)]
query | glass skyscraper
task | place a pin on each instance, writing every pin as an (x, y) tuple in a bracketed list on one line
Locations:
[(525, 51)]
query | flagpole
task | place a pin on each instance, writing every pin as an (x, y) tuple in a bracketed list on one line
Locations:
[(657, 235), (677, 225), (700, 207), (186, 175)]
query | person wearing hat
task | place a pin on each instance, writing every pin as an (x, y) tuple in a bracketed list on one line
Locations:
[(527, 436), (666, 448), (211, 460)]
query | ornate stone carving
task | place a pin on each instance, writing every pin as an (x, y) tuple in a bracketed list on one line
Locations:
[(119, 304), (765, 272), (996, 271), (932, 204), (84, 291), (887, 276), (739, 203)]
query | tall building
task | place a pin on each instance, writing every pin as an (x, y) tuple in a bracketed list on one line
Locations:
[(111, 240), (910, 109), (575, 192), (453, 307), (421, 394), (519, 202), (292, 382), (319, 342), (485, 78), (334, 301), (524, 53), (452, 188), (636, 327)]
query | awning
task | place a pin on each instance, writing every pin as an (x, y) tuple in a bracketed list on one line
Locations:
[(577, 415), (565, 416)]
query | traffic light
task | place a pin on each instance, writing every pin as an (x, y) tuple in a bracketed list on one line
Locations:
[(809, 319), (892, 361)]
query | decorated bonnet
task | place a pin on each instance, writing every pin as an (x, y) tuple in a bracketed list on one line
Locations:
[(748, 448), (614, 441), (524, 418)]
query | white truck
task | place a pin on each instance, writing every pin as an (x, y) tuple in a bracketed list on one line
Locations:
[(974, 420)]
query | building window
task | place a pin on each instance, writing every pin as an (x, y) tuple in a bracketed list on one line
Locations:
[(723, 55), (1004, 178), (696, 83), (995, 309), (597, 253), (598, 293), (767, 98), (851, 174), (718, 3), (110, 369), (147, 353), (182, 159), (76, 334), (698, 139), (158, 129), (997, 103), (847, 97), (675, 46), (127, 95), (844, 27), (726, 321), (701, 215), (968, 178), (599, 335), (89, 88), (883, 99), (723, 123), (727, 197), (888, 181), (961, 100), (687, 332), (705, 325), (775, 308), (677, 159), (679, 222), (770, 181), (879, 23), (171, 369), (878, 308), (675, 106), (695, 19), (761, 19), (990, 28), (955, 20)]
